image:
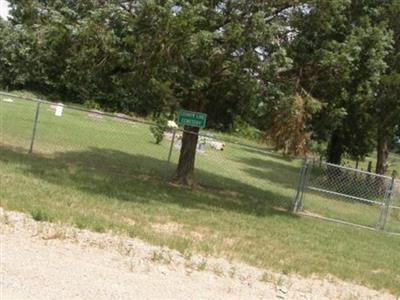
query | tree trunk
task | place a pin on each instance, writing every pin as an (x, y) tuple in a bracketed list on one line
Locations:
[(382, 155), (335, 149), (185, 170)]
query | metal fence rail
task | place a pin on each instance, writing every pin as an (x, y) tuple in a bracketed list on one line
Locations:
[(124, 144)]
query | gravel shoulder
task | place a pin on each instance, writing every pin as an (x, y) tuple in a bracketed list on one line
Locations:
[(42, 260)]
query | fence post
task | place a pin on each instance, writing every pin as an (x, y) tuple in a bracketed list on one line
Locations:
[(307, 173), (34, 127), (171, 146), (300, 187), (385, 208)]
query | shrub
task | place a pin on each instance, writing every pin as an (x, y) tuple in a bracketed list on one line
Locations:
[(91, 104), (158, 129), (242, 129), (39, 214)]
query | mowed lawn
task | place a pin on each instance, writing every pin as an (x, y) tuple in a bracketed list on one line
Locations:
[(105, 174)]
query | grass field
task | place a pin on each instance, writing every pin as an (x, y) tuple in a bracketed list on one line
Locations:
[(105, 174)]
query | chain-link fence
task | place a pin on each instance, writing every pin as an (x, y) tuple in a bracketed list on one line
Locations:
[(243, 171), (252, 178), (348, 195)]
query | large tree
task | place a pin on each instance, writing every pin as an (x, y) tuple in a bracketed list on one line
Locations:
[(16, 50), (386, 104), (339, 52), (217, 56)]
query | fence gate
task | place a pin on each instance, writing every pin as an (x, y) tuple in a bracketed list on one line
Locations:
[(345, 195)]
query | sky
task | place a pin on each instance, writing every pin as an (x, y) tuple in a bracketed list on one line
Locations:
[(3, 9)]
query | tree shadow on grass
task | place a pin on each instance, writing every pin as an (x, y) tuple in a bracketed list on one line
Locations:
[(138, 178), (267, 151), (284, 175)]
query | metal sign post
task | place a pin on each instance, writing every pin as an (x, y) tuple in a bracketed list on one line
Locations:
[(34, 127), (171, 146)]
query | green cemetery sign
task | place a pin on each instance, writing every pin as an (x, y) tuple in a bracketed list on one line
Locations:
[(191, 118)]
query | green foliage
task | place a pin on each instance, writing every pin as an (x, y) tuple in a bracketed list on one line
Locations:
[(386, 104), (317, 147), (241, 128), (395, 145), (339, 54), (149, 58), (91, 104), (159, 129), (40, 214)]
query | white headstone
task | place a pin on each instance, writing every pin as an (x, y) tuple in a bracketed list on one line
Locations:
[(171, 124), (59, 110)]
